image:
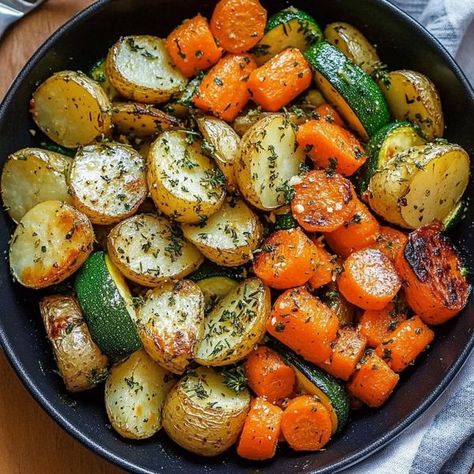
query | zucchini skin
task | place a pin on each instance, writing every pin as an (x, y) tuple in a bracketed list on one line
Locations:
[(312, 30), (210, 269), (285, 222), (456, 215), (356, 87)]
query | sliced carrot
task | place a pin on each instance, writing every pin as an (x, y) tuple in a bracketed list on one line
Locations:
[(389, 241), (280, 80), (347, 351), (434, 284), (261, 432), (300, 321), (287, 259), (368, 279), (306, 424), (268, 375), (325, 266), (403, 345), (376, 324), (373, 382), (238, 25), (192, 46), (330, 145), (323, 201), (359, 232), (223, 91), (328, 113)]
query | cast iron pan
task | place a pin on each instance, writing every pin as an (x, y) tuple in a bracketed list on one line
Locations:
[(402, 43)]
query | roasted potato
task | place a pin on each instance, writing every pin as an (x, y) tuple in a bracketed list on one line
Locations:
[(412, 96), (71, 109), (31, 176), (230, 236), (140, 68), (203, 415), (170, 322), (235, 325), (184, 183), (268, 158), (81, 363), (149, 250), (135, 392), (50, 243), (108, 182)]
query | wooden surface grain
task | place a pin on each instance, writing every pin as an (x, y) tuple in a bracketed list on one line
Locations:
[(30, 441)]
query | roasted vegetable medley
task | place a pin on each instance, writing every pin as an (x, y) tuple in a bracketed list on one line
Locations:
[(247, 219)]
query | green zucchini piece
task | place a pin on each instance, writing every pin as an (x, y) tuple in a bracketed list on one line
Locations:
[(50, 146), (285, 221), (289, 28), (316, 382), (99, 75), (385, 144), (349, 89), (107, 305), (209, 269), (455, 216)]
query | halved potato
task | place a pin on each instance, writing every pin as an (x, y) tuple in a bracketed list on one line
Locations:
[(202, 414), (108, 182), (412, 96), (170, 322), (140, 68), (268, 158), (235, 325), (149, 250), (420, 185), (141, 120), (135, 393), (184, 183), (31, 176), (223, 145), (49, 244), (81, 363), (71, 109), (230, 236)]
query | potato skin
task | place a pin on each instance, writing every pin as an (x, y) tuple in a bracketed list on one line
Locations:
[(81, 363)]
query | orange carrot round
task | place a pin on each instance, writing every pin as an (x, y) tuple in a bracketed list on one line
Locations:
[(369, 279), (359, 232), (238, 25), (261, 432), (328, 113), (280, 80), (389, 241), (300, 321), (268, 375), (287, 259), (306, 424), (324, 267), (323, 201), (328, 144)]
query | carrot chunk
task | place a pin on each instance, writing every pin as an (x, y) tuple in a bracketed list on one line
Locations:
[(403, 345), (300, 321), (223, 91), (376, 324), (192, 46), (306, 424), (280, 80), (389, 241), (323, 201), (287, 259), (348, 349), (328, 113), (328, 144), (357, 233), (434, 284), (369, 279), (324, 268), (373, 382), (268, 375), (238, 25), (259, 438)]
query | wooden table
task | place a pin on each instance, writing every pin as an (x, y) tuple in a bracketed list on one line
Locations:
[(30, 441)]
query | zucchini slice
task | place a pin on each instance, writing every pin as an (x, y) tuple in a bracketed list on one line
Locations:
[(385, 144), (285, 221), (314, 381), (456, 215), (352, 92), (289, 28), (107, 305), (97, 72), (209, 270)]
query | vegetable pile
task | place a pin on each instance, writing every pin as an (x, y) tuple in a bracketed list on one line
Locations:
[(250, 217)]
